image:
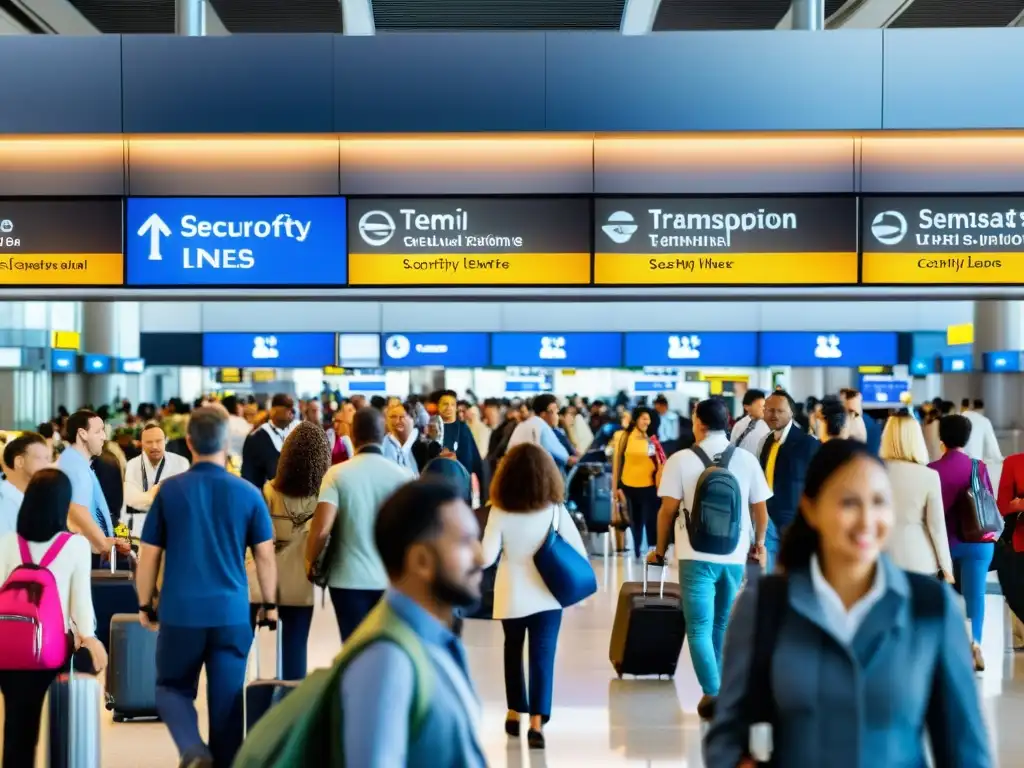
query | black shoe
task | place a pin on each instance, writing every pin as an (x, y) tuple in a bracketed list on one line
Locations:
[(193, 760), (706, 707), (513, 728), (535, 739)]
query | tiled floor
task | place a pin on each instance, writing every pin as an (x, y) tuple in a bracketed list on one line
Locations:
[(599, 720)]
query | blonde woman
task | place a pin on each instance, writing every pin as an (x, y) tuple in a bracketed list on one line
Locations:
[(918, 541)]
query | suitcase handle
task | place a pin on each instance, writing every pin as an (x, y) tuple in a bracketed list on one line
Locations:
[(664, 570), (280, 650)]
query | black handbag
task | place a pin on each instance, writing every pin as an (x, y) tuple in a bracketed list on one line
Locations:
[(979, 513)]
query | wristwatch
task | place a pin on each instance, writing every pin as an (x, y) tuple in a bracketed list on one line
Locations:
[(149, 610), (270, 606)]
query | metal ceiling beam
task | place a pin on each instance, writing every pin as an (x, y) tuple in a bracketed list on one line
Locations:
[(638, 16), (9, 26), (357, 17), (876, 14), (58, 15)]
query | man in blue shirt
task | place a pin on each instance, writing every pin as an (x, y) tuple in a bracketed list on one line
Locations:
[(88, 514), (428, 539), (201, 524), (539, 430)]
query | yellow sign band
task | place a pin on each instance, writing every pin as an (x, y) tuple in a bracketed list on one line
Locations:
[(469, 269)]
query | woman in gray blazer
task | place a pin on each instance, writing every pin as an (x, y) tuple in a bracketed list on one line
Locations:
[(844, 659)]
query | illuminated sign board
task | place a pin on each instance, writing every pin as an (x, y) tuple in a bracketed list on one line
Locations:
[(725, 241), (236, 241), (688, 349), (557, 350), (449, 350), (63, 361), (95, 363), (839, 349), (131, 365), (281, 350), (943, 240), (1003, 362), (61, 242), (469, 241)]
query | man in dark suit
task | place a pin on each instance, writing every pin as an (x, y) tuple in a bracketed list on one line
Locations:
[(262, 448), (785, 455)]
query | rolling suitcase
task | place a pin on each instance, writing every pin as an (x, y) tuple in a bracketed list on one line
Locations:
[(113, 592), (70, 727), (131, 671), (648, 631), (261, 694)]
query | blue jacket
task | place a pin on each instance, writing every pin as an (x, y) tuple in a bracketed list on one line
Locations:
[(790, 471), (874, 434), (866, 705)]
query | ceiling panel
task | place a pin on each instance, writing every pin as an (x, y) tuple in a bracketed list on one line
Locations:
[(719, 14), (497, 14)]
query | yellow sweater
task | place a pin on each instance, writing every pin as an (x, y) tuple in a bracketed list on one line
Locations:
[(637, 470)]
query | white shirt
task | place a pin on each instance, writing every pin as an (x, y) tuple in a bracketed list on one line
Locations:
[(399, 453), (10, 505), (752, 442), (72, 571), (679, 481), (238, 430), (844, 624), (982, 444), (519, 589), (134, 496)]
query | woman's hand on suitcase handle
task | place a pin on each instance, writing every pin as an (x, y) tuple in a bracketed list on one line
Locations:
[(267, 616), (97, 652)]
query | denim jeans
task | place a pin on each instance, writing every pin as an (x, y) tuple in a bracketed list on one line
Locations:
[(351, 606), (772, 543), (181, 653), (542, 631), (972, 561), (294, 629), (708, 591)]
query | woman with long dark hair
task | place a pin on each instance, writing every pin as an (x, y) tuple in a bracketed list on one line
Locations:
[(844, 659), (292, 498), (42, 525), (636, 459)]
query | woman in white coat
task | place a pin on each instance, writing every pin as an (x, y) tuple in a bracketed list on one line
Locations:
[(527, 499), (918, 540)]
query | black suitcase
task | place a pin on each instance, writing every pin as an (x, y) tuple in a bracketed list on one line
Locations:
[(261, 694), (131, 671), (113, 592), (649, 629)]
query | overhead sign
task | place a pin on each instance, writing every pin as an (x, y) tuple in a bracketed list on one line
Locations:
[(957, 363), (63, 360), (11, 357), (449, 350), (229, 376), (359, 350), (66, 340), (883, 390), (260, 350), (236, 241), (957, 335), (688, 349), (95, 364), (61, 242), (470, 241), (922, 366), (839, 349), (131, 365), (725, 241), (557, 350), (947, 240), (1003, 362)]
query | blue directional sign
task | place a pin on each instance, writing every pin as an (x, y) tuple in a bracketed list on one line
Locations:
[(236, 241), (63, 360), (131, 365), (922, 366), (557, 350), (450, 350), (827, 349), (1003, 362), (95, 364), (268, 350), (957, 363), (883, 390), (684, 349)]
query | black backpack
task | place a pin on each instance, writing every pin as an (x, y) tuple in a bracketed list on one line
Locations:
[(716, 519)]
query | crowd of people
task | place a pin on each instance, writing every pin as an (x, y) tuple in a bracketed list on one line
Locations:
[(397, 507)]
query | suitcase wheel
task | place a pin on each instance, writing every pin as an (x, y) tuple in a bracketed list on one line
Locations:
[(119, 718), (109, 706)]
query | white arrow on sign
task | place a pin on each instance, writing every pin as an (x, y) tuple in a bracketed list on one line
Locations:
[(154, 226)]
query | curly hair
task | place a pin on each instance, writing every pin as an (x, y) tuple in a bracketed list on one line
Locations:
[(304, 461), (527, 480)]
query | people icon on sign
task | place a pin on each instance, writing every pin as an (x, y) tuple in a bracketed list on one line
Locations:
[(684, 347), (827, 348), (552, 348), (265, 348)]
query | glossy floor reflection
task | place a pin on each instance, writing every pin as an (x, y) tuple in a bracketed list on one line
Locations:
[(599, 720)]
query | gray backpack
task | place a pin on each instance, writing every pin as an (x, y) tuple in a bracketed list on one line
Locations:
[(715, 522)]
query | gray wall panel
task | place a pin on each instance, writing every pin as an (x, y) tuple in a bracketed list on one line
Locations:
[(168, 316), (239, 166), (459, 165), (953, 78), (56, 84), (935, 164), (706, 165), (401, 83), (83, 166), (307, 316), (415, 316), (715, 81), (234, 84)]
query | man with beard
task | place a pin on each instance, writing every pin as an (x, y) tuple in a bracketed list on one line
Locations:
[(262, 447), (428, 540)]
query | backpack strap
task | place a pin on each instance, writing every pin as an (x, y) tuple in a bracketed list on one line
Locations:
[(54, 550), (772, 599), (704, 458), (726, 457)]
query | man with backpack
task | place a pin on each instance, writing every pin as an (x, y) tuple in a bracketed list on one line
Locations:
[(715, 493), (406, 694)]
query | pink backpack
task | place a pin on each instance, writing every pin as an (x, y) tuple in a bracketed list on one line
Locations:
[(32, 630)]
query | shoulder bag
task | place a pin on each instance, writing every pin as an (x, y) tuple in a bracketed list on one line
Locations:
[(979, 513), (566, 573)]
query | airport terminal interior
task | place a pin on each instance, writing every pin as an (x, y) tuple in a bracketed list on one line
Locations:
[(658, 214)]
